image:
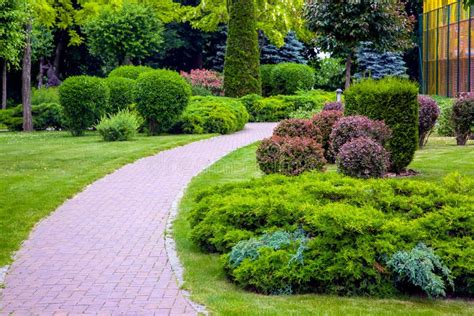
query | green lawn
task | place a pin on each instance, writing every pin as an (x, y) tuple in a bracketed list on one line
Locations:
[(39, 171), (205, 278)]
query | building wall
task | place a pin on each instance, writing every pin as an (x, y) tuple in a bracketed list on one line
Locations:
[(447, 50)]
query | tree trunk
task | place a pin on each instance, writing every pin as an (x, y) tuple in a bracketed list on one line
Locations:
[(41, 73), (348, 70), (4, 86), (26, 83), (58, 53)]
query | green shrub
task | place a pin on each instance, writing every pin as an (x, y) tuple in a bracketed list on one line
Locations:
[(200, 91), (242, 57), (266, 75), (162, 96), (329, 74), (289, 78), (85, 100), (353, 227), (47, 115), (44, 95), (118, 127), (121, 93), (130, 72), (249, 101), (394, 101), (213, 115), (444, 125)]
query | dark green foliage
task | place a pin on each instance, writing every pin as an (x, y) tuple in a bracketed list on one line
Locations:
[(44, 95), (46, 115), (291, 52), (213, 115), (130, 72), (119, 127), (121, 93), (377, 65), (162, 95), (265, 74), (85, 100), (242, 60), (354, 226), (395, 102), (463, 119), (289, 78), (422, 268), (200, 91)]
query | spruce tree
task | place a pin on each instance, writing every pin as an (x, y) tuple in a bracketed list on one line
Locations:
[(242, 60), (377, 65), (291, 52)]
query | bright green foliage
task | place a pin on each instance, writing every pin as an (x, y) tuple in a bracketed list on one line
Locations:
[(242, 58), (42, 42), (45, 95), (213, 115), (329, 74), (12, 17), (119, 127), (162, 95), (354, 227), (45, 115), (395, 102), (265, 74), (128, 35), (85, 100), (421, 267), (122, 93), (289, 78), (129, 71), (444, 126)]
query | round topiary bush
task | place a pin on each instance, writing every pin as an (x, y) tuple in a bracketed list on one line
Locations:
[(334, 106), (463, 118), (288, 78), (428, 113), (122, 93), (266, 76), (290, 155), (298, 128), (325, 121), (351, 127), (130, 72), (162, 95), (362, 158), (85, 100)]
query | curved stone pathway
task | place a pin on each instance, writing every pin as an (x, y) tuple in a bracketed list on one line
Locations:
[(103, 252)]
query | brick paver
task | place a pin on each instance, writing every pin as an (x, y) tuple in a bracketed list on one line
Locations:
[(103, 252)]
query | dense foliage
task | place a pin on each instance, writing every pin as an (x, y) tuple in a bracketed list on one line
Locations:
[(162, 95), (85, 100), (290, 155), (444, 126), (374, 64), (329, 74), (45, 116), (394, 101), (291, 52), (353, 227), (463, 118), (118, 127), (325, 122), (265, 75), (122, 93), (129, 71), (205, 79), (298, 128), (289, 78), (334, 106), (44, 95), (242, 59), (427, 116), (213, 115), (362, 158)]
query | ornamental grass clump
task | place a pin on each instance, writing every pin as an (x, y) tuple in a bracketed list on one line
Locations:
[(427, 116), (298, 128), (119, 127)]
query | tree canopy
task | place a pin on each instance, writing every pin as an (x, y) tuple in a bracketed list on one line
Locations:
[(12, 34)]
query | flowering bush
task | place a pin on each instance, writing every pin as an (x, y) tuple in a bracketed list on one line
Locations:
[(334, 106), (325, 121), (350, 127), (428, 113), (207, 79), (290, 155), (463, 118), (362, 158), (298, 128)]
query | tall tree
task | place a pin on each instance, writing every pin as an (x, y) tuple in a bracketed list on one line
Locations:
[(12, 18), (342, 26), (242, 59), (26, 81)]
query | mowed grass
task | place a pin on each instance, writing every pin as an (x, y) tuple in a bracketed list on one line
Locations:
[(39, 171), (205, 277)]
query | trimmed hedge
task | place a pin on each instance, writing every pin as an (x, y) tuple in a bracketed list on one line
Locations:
[(162, 96), (325, 121), (266, 75), (85, 100), (122, 93), (289, 78), (213, 115), (394, 101), (130, 72), (298, 128), (427, 116), (352, 226)]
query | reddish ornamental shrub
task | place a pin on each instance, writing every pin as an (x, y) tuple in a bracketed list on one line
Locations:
[(463, 118), (325, 121), (334, 106), (428, 113), (207, 79), (351, 127), (362, 158), (290, 155), (298, 128)]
